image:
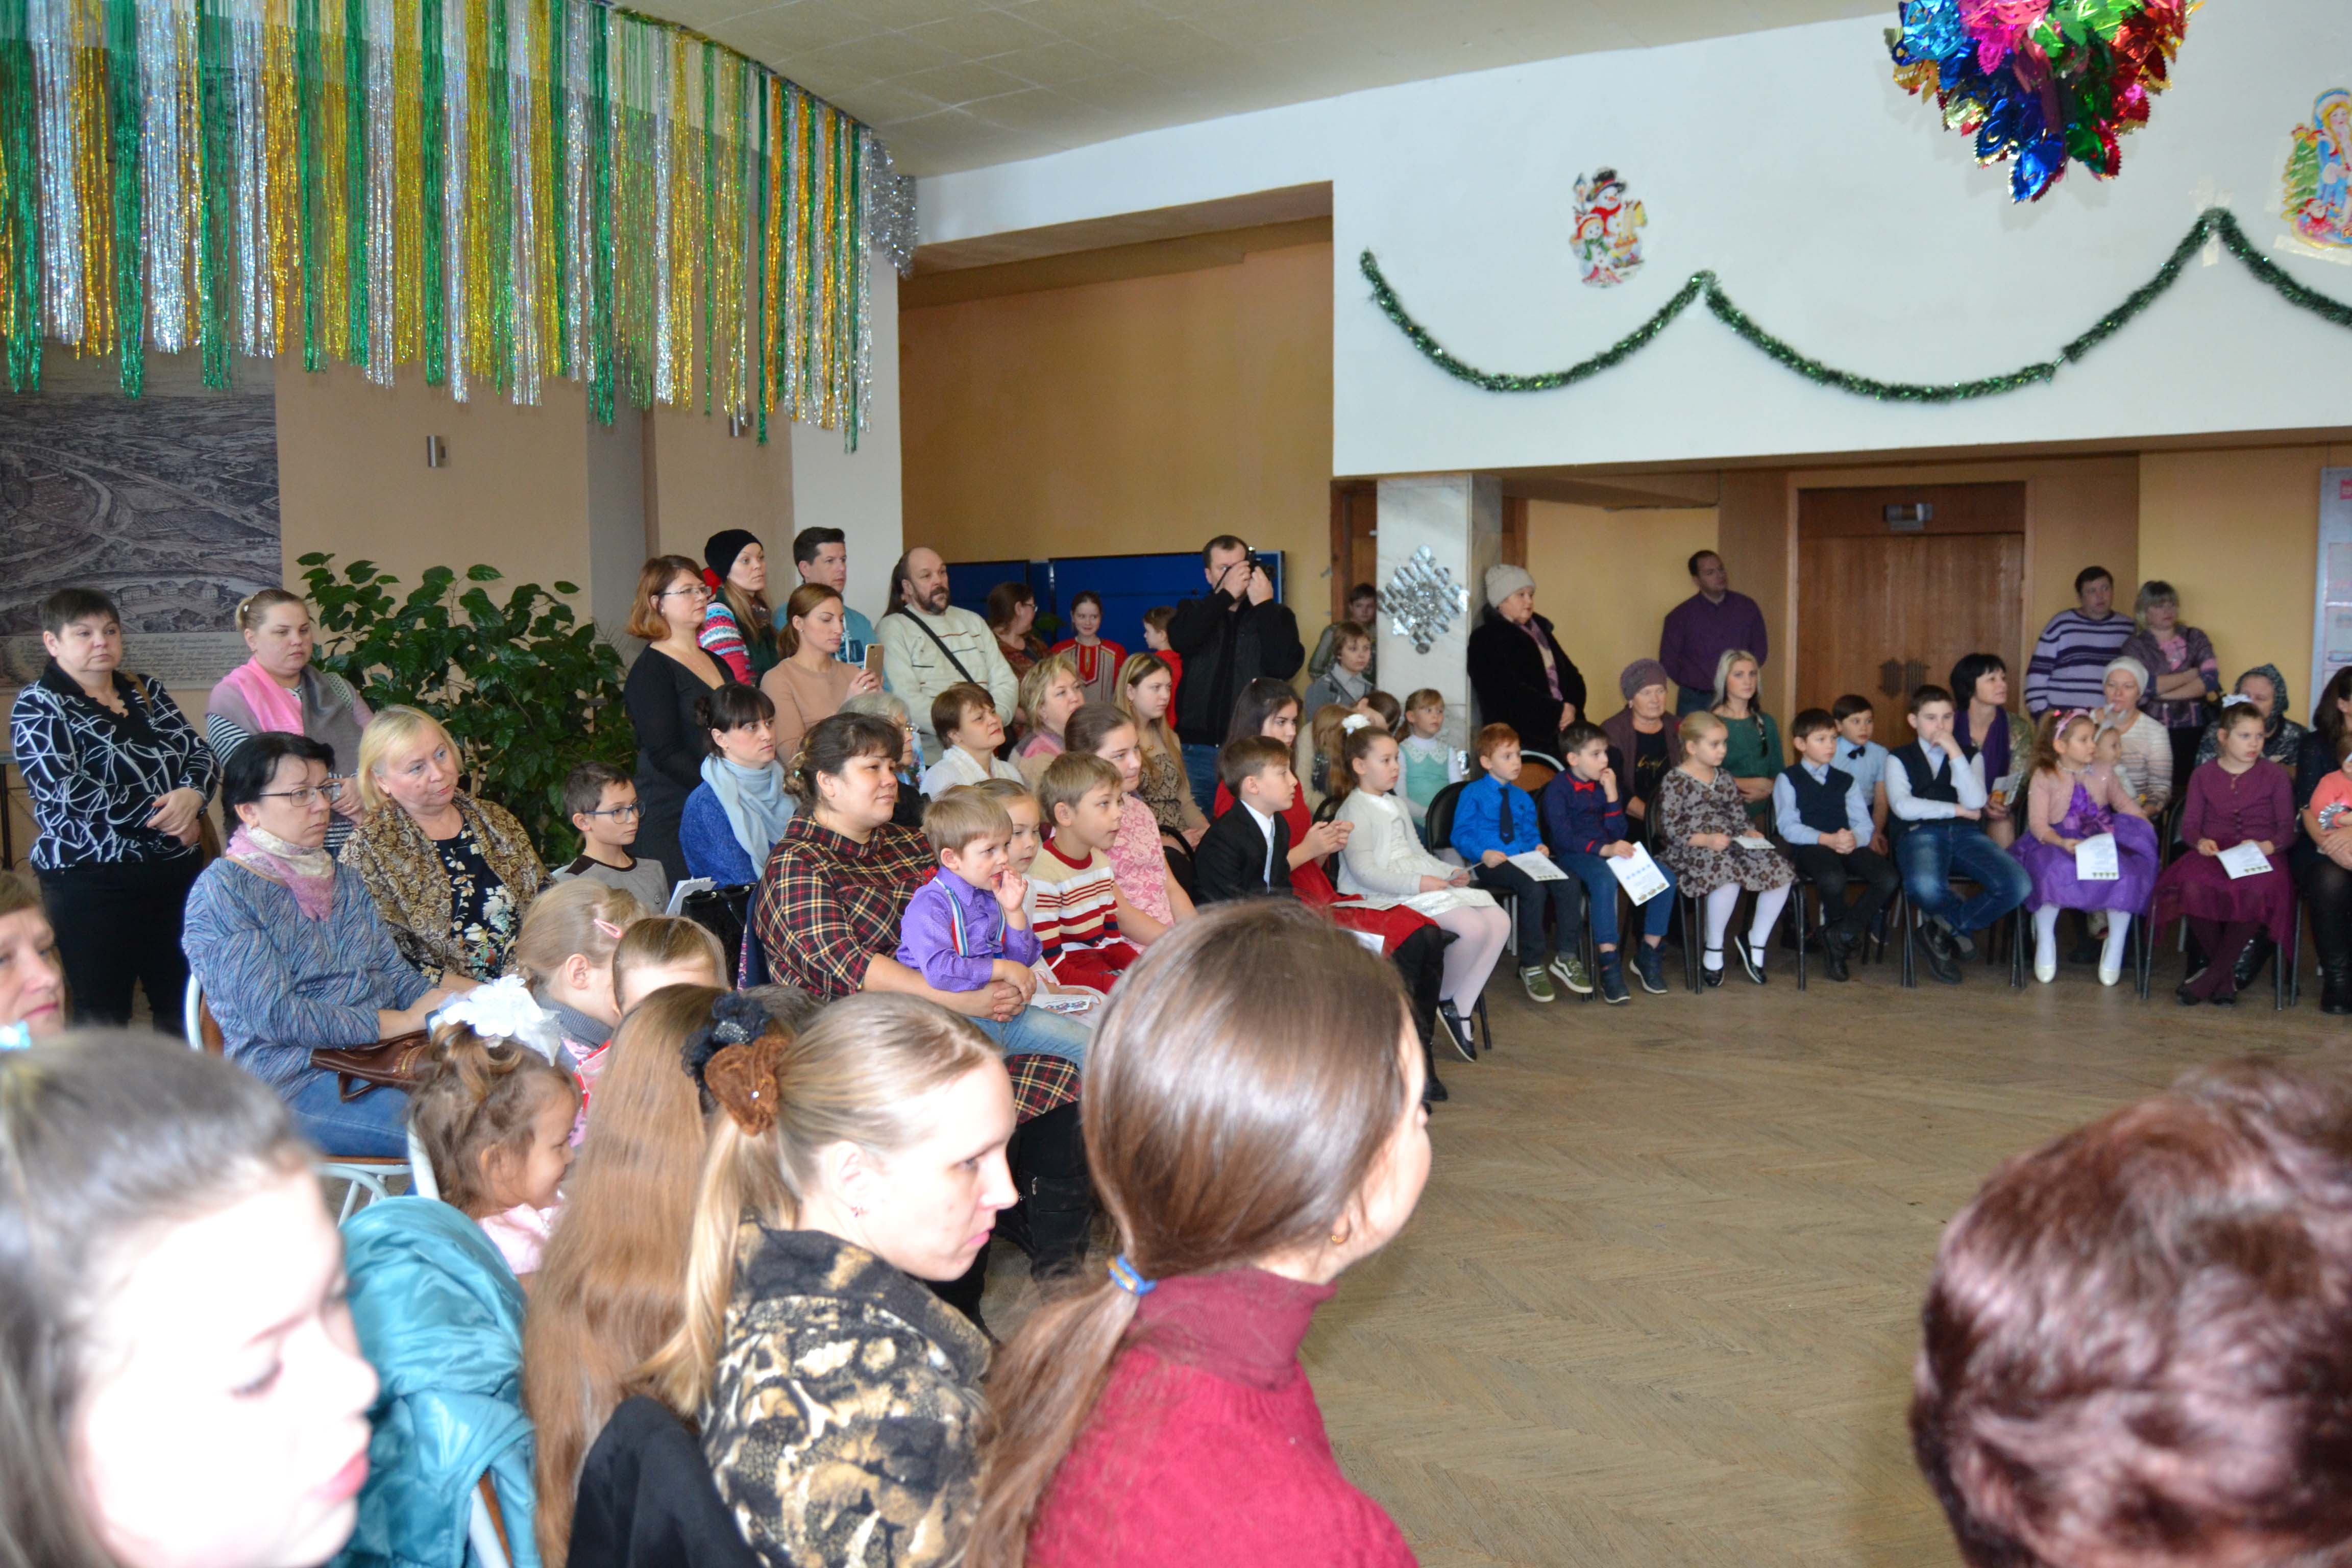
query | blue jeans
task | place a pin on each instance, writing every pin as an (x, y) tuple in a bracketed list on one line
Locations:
[(1035, 1032), (376, 1123), (1930, 854), (1200, 773), (1601, 883)]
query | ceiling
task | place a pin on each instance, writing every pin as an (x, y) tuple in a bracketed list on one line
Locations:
[(957, 84)]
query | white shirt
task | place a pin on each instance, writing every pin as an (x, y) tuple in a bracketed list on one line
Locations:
[(1265, 826), (1968, 781), (958, 766)]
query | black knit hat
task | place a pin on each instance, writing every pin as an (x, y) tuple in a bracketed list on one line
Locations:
[(719, 552)]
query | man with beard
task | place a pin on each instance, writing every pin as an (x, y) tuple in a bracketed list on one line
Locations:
[(928, 646)]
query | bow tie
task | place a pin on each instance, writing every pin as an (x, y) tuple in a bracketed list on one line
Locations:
[(1855, 753)]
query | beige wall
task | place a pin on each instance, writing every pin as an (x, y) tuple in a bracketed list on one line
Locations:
[(2237, 533), (1142, 415), (1606, 579)]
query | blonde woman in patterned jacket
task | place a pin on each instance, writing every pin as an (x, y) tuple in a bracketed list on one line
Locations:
[(838, 1399)]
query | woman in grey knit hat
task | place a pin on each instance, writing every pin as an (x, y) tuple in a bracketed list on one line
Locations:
[(1521, 675), (1643, 742)]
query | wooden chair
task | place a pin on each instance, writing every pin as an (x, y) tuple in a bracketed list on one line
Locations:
[(367, 1172)]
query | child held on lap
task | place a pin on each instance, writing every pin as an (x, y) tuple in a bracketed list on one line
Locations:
[(965, 718), (1584, 824), (1495, 819), (1822, 813), (1079, 907), (1020, 854), (494, 1115), (602, 801), (1701, 821), (2072, 797), (968, 926)]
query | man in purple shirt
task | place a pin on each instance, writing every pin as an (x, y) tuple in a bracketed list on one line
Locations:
[(970, 924), (1704, 627)]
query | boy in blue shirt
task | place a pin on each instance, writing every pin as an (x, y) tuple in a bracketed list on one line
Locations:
[(1584, 819), (1863, 760), (1823, 817), (1495, 819)]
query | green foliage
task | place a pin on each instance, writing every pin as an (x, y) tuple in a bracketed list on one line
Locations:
[(526, 688)]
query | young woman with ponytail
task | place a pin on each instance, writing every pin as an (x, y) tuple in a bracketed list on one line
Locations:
[(838, 1398), (1254, 1124)]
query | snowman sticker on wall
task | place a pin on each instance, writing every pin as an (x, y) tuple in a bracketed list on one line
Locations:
[(1608, 241)]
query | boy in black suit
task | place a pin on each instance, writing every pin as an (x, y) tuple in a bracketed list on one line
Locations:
[(1246, 852)]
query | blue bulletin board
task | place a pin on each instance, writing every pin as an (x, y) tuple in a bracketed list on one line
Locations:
[(1129, 585)]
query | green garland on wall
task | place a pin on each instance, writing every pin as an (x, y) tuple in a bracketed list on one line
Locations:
[(2213, 223)]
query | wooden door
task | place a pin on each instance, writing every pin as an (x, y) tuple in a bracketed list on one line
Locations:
[(1355, 539), (1879, 612)]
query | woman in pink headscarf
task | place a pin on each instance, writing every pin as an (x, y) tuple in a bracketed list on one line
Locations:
[(279, 688)]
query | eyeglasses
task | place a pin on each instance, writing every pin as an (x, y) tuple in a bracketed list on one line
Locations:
[(330, 792), (619, 813), (692, 591)]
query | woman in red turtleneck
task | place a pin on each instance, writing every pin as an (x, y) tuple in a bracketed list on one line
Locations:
[(1253, 1127)]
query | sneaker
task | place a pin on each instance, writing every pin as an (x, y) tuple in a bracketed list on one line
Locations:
[(1571, 971), (1538, 983), (1612, 981), (1649, 967)]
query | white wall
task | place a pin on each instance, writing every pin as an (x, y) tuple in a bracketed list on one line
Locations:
[(1836, 210), (857, 493)]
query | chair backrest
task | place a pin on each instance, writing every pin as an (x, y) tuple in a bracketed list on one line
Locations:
[(196, 1022), (1437, 826), (645, 1496), (1536, 771)]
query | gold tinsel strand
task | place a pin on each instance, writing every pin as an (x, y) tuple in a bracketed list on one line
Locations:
[(93, 176), (407, 282)]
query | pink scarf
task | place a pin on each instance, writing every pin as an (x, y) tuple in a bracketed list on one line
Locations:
[(274, 707), (308, 874)]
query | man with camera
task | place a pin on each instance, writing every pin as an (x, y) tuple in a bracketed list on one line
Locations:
[(1235, 632)]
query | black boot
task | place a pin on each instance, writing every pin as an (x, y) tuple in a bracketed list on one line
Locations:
[(1061, 1223), (1433, 1087), (2251, 961), (2335, 989)]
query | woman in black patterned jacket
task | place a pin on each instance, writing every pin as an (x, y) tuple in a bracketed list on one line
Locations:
[(118, 780)]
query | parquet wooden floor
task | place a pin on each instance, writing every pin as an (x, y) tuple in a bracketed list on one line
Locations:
[(1659, 1304)]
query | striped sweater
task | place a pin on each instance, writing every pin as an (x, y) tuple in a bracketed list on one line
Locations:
[(1077, 918), (2070, 662)]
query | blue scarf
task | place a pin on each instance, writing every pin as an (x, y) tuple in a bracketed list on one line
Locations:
[(754, 800)]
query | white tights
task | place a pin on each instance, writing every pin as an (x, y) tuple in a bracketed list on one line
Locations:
[(2045, 937), (1483, 931), (1760, 930)]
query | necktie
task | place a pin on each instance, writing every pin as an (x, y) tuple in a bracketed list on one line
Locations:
[(1503, 819)]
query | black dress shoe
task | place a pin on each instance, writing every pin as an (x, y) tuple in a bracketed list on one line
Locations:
[(1961, 944), (1711, 976), (2185, 994), (2335, 989), (1748, 963), (1834, 953), (1433, 1089), (1935, 942), (1458, 1029)]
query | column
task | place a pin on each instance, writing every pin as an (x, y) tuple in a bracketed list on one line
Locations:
[(1458, 520)]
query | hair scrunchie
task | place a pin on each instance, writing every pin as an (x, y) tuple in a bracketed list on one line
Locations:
[(732, 1060)]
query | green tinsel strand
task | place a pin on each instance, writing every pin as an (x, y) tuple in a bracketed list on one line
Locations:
[(2234, 240), (764, 378), (2141, 298), (600, 204), (216, 167), (355, 201), (128, 106), (500, 196), (1492, 381), (22, 218), (710, 198), (434, 177), (559, 157), (307, 76), (854, 291), (1812, 370)]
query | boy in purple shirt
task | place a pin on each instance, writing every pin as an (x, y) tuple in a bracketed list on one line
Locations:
[(969, 925)]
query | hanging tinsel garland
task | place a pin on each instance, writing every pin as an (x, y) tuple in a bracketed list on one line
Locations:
[(508, 192), (2215, 223)]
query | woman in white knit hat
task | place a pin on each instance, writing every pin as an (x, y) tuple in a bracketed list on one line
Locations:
[(1521, 675)]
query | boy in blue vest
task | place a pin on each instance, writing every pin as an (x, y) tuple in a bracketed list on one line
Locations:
[(1495, 819), (1936, 802), (1825, 819)]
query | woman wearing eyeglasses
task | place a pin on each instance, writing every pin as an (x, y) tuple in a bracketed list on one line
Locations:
[(291, 953), (665, 683)]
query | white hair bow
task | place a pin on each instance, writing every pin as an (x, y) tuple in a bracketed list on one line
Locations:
[(2238, 699), (1353, 722), (504, 1010)]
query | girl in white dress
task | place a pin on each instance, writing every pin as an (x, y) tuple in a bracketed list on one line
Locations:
[(1383, 862)]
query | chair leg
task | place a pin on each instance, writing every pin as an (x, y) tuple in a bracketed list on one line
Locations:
[(1899, 911), (1797, 911), (1689, 910), (2143, 954)]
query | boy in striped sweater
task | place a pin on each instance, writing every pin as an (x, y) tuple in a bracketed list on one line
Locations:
[(1078, 902)]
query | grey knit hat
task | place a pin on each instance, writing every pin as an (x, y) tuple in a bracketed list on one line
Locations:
[(1640, 673), (1503, 581)]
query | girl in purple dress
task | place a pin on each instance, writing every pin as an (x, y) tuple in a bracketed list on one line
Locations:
[(2072, 798), (2239, 798)]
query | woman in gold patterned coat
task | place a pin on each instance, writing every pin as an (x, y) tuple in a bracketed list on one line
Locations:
[(450, 875), (838, 1398)]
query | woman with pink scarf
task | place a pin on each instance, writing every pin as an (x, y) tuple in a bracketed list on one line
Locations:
[(279, 688)]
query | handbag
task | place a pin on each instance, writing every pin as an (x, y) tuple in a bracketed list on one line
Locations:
[(394, 1063)]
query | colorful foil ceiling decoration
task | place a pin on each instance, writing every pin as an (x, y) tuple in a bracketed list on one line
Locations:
[(2040, 82), (502, 191)]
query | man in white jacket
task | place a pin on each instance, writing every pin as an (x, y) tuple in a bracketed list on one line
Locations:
[(927, 646)]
